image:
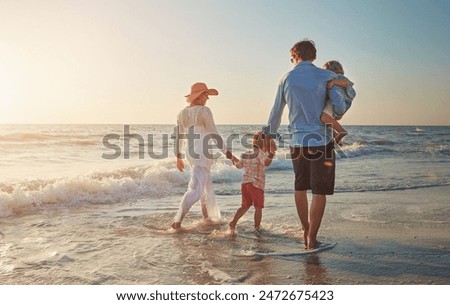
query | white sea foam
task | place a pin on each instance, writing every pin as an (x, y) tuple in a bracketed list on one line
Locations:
[(354, 149), (127, 184), (156, 180)]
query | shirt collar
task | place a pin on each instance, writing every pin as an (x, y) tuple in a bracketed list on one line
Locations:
[(304, 63)]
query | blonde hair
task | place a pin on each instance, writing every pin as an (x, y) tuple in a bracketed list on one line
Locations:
[(334, 66)]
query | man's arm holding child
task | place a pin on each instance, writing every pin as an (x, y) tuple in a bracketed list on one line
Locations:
[(341, 82)]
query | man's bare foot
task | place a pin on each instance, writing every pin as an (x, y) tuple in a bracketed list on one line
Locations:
[(305, 238), (176, 225), (313, 245)]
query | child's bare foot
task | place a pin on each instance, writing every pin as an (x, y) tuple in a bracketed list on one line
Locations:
[(258, 231), (338, 138), (176, 225), (232, 228)]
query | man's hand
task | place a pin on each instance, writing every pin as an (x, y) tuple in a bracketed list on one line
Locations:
[(273, 147), (338, 82)]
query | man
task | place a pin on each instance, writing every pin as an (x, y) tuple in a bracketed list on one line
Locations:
[(304, 91)]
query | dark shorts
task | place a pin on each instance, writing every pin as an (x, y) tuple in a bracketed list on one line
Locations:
[(314, 168), (251, 195)]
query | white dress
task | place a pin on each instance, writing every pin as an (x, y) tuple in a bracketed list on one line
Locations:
[(196, 126)]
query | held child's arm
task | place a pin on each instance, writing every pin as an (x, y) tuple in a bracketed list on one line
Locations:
[(238, 164), (268, 160), (230, 156)]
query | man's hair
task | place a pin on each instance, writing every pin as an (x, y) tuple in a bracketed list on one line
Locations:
[(305, 49)]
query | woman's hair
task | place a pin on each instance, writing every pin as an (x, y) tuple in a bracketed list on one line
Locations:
[(334, 66), (305, 49)]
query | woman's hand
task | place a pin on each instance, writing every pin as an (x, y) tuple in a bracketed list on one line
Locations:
[(180, 164)]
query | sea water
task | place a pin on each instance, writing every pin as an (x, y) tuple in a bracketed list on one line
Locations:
[(93, 203), (64, 165)]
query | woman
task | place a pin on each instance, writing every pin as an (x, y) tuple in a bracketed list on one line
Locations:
[(196, 124)]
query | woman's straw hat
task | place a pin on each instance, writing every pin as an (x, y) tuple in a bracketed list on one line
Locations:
[(197, 89)]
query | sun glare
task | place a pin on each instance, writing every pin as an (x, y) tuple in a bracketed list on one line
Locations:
[(6, 86)]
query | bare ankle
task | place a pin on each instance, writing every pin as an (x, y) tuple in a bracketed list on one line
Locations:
[(176, 225)]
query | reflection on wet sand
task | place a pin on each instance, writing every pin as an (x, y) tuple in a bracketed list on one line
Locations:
[(316, 273)]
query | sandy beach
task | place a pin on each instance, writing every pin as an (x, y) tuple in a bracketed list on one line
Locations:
[(392, 237)]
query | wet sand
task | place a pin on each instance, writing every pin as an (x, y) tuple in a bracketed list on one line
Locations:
[(395, 237)]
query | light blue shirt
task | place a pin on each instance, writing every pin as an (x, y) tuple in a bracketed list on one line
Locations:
[(304, 91)]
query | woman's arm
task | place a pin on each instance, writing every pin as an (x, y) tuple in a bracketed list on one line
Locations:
[(179, 135)]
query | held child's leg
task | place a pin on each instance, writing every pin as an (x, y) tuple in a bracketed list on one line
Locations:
[(339, 132)]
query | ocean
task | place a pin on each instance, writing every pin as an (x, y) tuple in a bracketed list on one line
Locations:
[(92, 204)]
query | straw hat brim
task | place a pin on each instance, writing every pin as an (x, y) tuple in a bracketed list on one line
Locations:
[(194, 95)]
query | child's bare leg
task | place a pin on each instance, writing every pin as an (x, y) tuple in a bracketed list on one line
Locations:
[(239, 213), (339, 131), (258, 217)]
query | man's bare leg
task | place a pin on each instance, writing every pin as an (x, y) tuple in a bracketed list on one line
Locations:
[(301, 202), (316, 214)]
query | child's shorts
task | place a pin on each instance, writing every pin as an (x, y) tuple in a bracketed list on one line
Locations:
[(329, 109), (251, 195)]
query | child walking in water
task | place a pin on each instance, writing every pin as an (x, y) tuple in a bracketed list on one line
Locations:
[(328, 116), (253, 180)]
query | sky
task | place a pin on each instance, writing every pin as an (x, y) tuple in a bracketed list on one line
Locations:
[(132, 62)]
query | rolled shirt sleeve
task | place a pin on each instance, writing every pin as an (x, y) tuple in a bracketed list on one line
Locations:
[(276, 113), (337, 98)]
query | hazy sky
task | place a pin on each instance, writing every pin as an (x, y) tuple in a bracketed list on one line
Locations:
[(130, 62)]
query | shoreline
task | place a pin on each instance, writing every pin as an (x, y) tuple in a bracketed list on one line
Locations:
[(383, 238)]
